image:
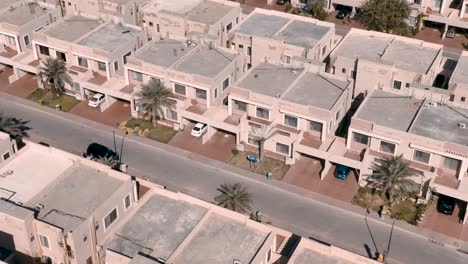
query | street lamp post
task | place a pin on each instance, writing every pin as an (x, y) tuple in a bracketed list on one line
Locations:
[(121, 148), (113, 134), (397, 215)]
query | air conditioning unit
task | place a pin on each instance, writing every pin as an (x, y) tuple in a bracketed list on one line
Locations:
[(462, 125)]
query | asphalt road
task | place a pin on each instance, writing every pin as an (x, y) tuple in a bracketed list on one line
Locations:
[(287, 210)]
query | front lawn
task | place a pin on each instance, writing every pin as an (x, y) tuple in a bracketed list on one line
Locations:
[(277, 167), (368, 198), (66, 102), (145, 128)]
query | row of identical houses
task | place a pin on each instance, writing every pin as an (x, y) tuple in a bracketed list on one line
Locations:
[(59, 208), (442, 14), (346, 101)]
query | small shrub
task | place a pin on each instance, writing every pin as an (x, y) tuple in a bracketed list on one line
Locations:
[(234, 151)]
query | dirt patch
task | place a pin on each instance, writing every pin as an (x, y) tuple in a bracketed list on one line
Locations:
[(277, 167)]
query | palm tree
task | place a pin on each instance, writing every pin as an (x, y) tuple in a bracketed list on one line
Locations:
[(261, 135), (153, 97), (110, 161), (234, 197), (391, 175), (56, 75), (13, 126)]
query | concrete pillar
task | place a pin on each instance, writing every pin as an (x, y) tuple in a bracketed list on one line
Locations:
[(108, 71), (326, 167), (229, 106), (445, 31), (442, 6), (324, 131), (127, 81), (34, 46), (463, 169), (462, 12), (108, 102), (18, 47), (209, 133)]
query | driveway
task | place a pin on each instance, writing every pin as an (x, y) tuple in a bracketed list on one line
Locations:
[(445, 224), (306, 174), (22, 87), (219, 147), (117, 112), (434, 35)]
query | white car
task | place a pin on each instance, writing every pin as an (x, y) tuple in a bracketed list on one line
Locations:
[(199, 129), (96, 100)]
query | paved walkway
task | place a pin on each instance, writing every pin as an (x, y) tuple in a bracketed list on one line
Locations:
[(303, 212), (117, 112)]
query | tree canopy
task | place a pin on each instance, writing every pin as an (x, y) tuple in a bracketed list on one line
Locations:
[(386, 16)]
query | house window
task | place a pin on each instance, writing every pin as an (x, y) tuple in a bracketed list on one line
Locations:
[(61, 56), (337, 116), (6, 156), (282, 148), (226, 83), (137, 76), (83, 62), (269, 255), (360, 138), (102, 66), (44, 241), (387, 147), (452, 164), (127, 201), (228, 27), (353, 74), (216, 93), (179, 89), (288, 59), (249, 51), (407, 85), (241, 106), (324, 50), (27, 41), (396, 85), (116, 65), (421, 156), (125, 57), (76, 87), (237, 20), (462, 99), (171, 114), (315, 126), (343, 70), (151, 24), (263, 113), (157, 28), (290, 121), (110, 218), (241, 46), (44, 50), (200, 93)]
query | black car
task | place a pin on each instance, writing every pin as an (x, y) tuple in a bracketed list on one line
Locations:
[(281, 2), (342, 13), (446, 204), (96, 150)]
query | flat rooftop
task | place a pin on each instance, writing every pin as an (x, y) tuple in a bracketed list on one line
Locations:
[(316, 90), (72, 28), (28, 172), (269, 79), (388, 49), (441, 123), (222, 240), (208, 12), (157, 228), (206, 62), (303, 34), (7, 3), (109, 37), (75, 196), (173, 6), (262, 25), (389, 110), (163, 53), (308, 256), (460, 74), (22, 14)]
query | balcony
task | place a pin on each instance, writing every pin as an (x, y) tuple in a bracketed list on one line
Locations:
[(447, 179), (80, 73), (8, 52), (97, 79), (311, 141), (259, 121)]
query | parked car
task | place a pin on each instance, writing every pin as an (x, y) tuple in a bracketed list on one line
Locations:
[(446, 204), (282, 2), (199, 129), (450, 33), (342, 172), (343, 11), (96, 100), (96, 150)]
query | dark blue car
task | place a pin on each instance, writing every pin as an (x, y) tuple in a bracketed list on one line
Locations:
[(342, 172)]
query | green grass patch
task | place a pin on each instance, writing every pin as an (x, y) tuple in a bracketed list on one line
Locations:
[(275, 166), (138, 122), (66, 102), (162, 134)]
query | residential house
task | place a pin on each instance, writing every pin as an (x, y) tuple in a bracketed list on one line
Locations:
[(458, 83)]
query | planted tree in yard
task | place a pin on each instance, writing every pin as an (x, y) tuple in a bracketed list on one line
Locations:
[(13, 126), (261, 135), (153, 97), (386, 16), (392, 176), (234, 197), (55, 74), (317, 10)]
